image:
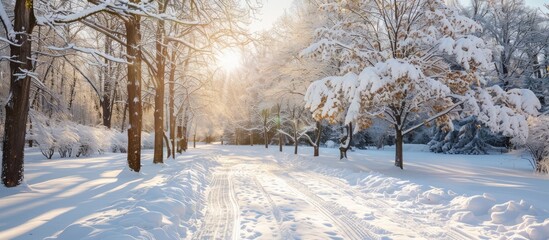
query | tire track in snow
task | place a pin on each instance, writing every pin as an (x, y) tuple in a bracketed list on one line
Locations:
[(260, 217), (277, 213), (423, 229), (351, 227), (221, 218), (274, 207)]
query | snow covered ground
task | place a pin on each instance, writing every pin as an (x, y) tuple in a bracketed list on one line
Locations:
[(241, 192), (97, 198)]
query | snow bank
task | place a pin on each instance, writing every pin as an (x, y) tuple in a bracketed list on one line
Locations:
[(166, 207), (511, 219)]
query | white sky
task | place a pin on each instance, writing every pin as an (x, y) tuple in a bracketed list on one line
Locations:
[(532, 3), (537, 3), (271, 11)]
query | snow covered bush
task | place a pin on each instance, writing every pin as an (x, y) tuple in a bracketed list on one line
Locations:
[(538, 143), (468, 136), (147, 140), (89, 141), (119, 142), (410, 63), (68, 138), (42, 134), (330, 144)]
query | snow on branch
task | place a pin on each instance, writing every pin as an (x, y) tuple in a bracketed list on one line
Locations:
[(184, 42), (95, 89), (55, 18), (506, 112), (432, 118), (7, 24), (121, 8), (325, 97), (96, 54)]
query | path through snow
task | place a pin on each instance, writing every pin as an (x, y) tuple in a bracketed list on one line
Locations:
[(241, 192), (260, 197)]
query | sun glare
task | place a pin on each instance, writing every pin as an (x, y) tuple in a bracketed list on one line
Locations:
[(229, 59)]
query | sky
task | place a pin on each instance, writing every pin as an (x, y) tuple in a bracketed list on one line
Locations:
[(532, 3), (537, 3), (271, 11)]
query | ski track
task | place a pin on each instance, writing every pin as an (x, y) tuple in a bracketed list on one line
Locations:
[(259, 199), (221, 210), (350, 226), (258, 211), (428, 230)]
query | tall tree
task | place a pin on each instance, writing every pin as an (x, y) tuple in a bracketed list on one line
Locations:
[(161, 55), (400, 71), (135, 111), (17, 107), (520, 35)]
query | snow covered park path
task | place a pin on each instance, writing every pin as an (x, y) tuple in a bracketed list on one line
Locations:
[(255, 196), (243, 192)]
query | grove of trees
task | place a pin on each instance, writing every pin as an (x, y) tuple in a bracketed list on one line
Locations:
[(117, 57), (113, 75)]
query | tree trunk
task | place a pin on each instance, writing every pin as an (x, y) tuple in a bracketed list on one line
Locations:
[(49, 103), (317, 140), (536, 66), (159, 93), (265, 113), (133, 41), (236, 136), (346, 142), (107, 112), (399, 161), (296, 141), (265, 135), (280, 139), (171, 104), (159, 123), (31, 142), (279, 122), (179, 139), (167, 141), (17, 106), (105, 100), (124, 117), (504, 72), (62, 76), (185, 138), (73, 88)]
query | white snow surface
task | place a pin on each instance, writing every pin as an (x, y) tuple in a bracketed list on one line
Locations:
[(99, 198), (242, 192)]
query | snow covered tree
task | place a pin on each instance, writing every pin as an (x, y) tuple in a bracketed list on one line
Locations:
[(519, 35), (60, 18), (410, 61), (538, 143), (286, 75), (469, 136)]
